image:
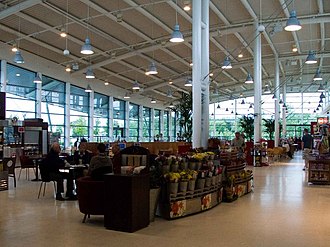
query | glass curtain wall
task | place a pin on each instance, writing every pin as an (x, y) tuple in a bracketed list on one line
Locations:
[(101, 117), (157, 123), (133, 122), (53, 106), (166, 121), (79, 109), (118, 119), (20, 93), (146, 128)]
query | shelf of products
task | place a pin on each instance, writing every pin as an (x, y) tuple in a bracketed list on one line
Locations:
[(319, 171), (191, 185), (237, 181)]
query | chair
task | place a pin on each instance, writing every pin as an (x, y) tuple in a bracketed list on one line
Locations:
[(90, 196), (45, 178), (98, 173), (9, 165), (133, 155), (26, 163)]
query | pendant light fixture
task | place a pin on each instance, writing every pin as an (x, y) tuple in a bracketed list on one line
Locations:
[(152, 70), (292, 23), (243, 102), (171, 105), (321, 88), (127, 96), (153, 101), (88, 89), (68, 68), (89, 73), (186, 6), (66, 51), (37, 79), (87, 49), (136, 85), (218, 107), (317, 76), (18, 56), (188, 82), (226, 63), (14, 47), (177, 36), (311, 59), (322, 96), (249, 79)]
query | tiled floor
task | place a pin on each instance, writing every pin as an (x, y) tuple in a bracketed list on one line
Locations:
[(283, 211)]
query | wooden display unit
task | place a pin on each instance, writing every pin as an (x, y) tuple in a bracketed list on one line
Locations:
[(319, 171), (126, 202)]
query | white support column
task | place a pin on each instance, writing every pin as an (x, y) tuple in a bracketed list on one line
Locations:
[(91, 117), (277, 105), (205, 100), (284, 110), (38, 98), (196, 73), (140, 138), (126, 132), (67, 116), (3, 75), (257, 84)]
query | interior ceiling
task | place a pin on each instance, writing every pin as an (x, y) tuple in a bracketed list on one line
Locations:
[(128, 34)]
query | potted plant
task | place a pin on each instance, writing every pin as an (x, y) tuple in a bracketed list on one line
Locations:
[(184, 108), (247, 124), (269, 127)]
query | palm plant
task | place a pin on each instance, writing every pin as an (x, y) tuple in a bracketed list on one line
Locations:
[(270, 127), (247, 125), (185, 109)]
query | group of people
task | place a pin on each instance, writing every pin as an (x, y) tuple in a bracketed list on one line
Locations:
[(52, 165)]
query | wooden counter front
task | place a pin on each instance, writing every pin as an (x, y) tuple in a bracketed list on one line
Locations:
[(126, 202)]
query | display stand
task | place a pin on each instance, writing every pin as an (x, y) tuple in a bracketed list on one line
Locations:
[(259, 154), (178, 205), (319, 171), (237, 181)]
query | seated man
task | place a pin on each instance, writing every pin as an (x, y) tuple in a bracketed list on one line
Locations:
[(52, 165), (100, 163)]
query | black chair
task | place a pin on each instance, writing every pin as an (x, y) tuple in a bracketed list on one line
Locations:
[(45, 178), (98, 173), (9, 165), (26, 163)]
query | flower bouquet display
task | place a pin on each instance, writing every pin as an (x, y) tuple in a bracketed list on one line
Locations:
[(172, 179)]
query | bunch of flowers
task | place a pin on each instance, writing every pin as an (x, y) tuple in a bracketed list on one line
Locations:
[(187, 175), (172, 177)]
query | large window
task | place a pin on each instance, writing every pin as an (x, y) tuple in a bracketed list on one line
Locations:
[(21, 93), (146, 128), (166, 121), (133, 122), (79, 108), (53, 105), (118, 119), (157, 122), (101, 117)]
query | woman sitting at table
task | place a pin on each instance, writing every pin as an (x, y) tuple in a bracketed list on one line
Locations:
[(52, 165), (100, 163)]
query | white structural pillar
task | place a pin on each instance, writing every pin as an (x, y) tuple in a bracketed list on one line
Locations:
[(126, 126), (205, 70), (91, 117), (67, 116), (284, 110), (200, 71), (257, 84), (3, 75), (277, 105), (38, 99), (140, 138)]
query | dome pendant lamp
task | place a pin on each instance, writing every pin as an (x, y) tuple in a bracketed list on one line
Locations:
[(293, 23)]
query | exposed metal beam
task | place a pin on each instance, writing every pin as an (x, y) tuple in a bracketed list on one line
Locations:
[(18, 8)]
